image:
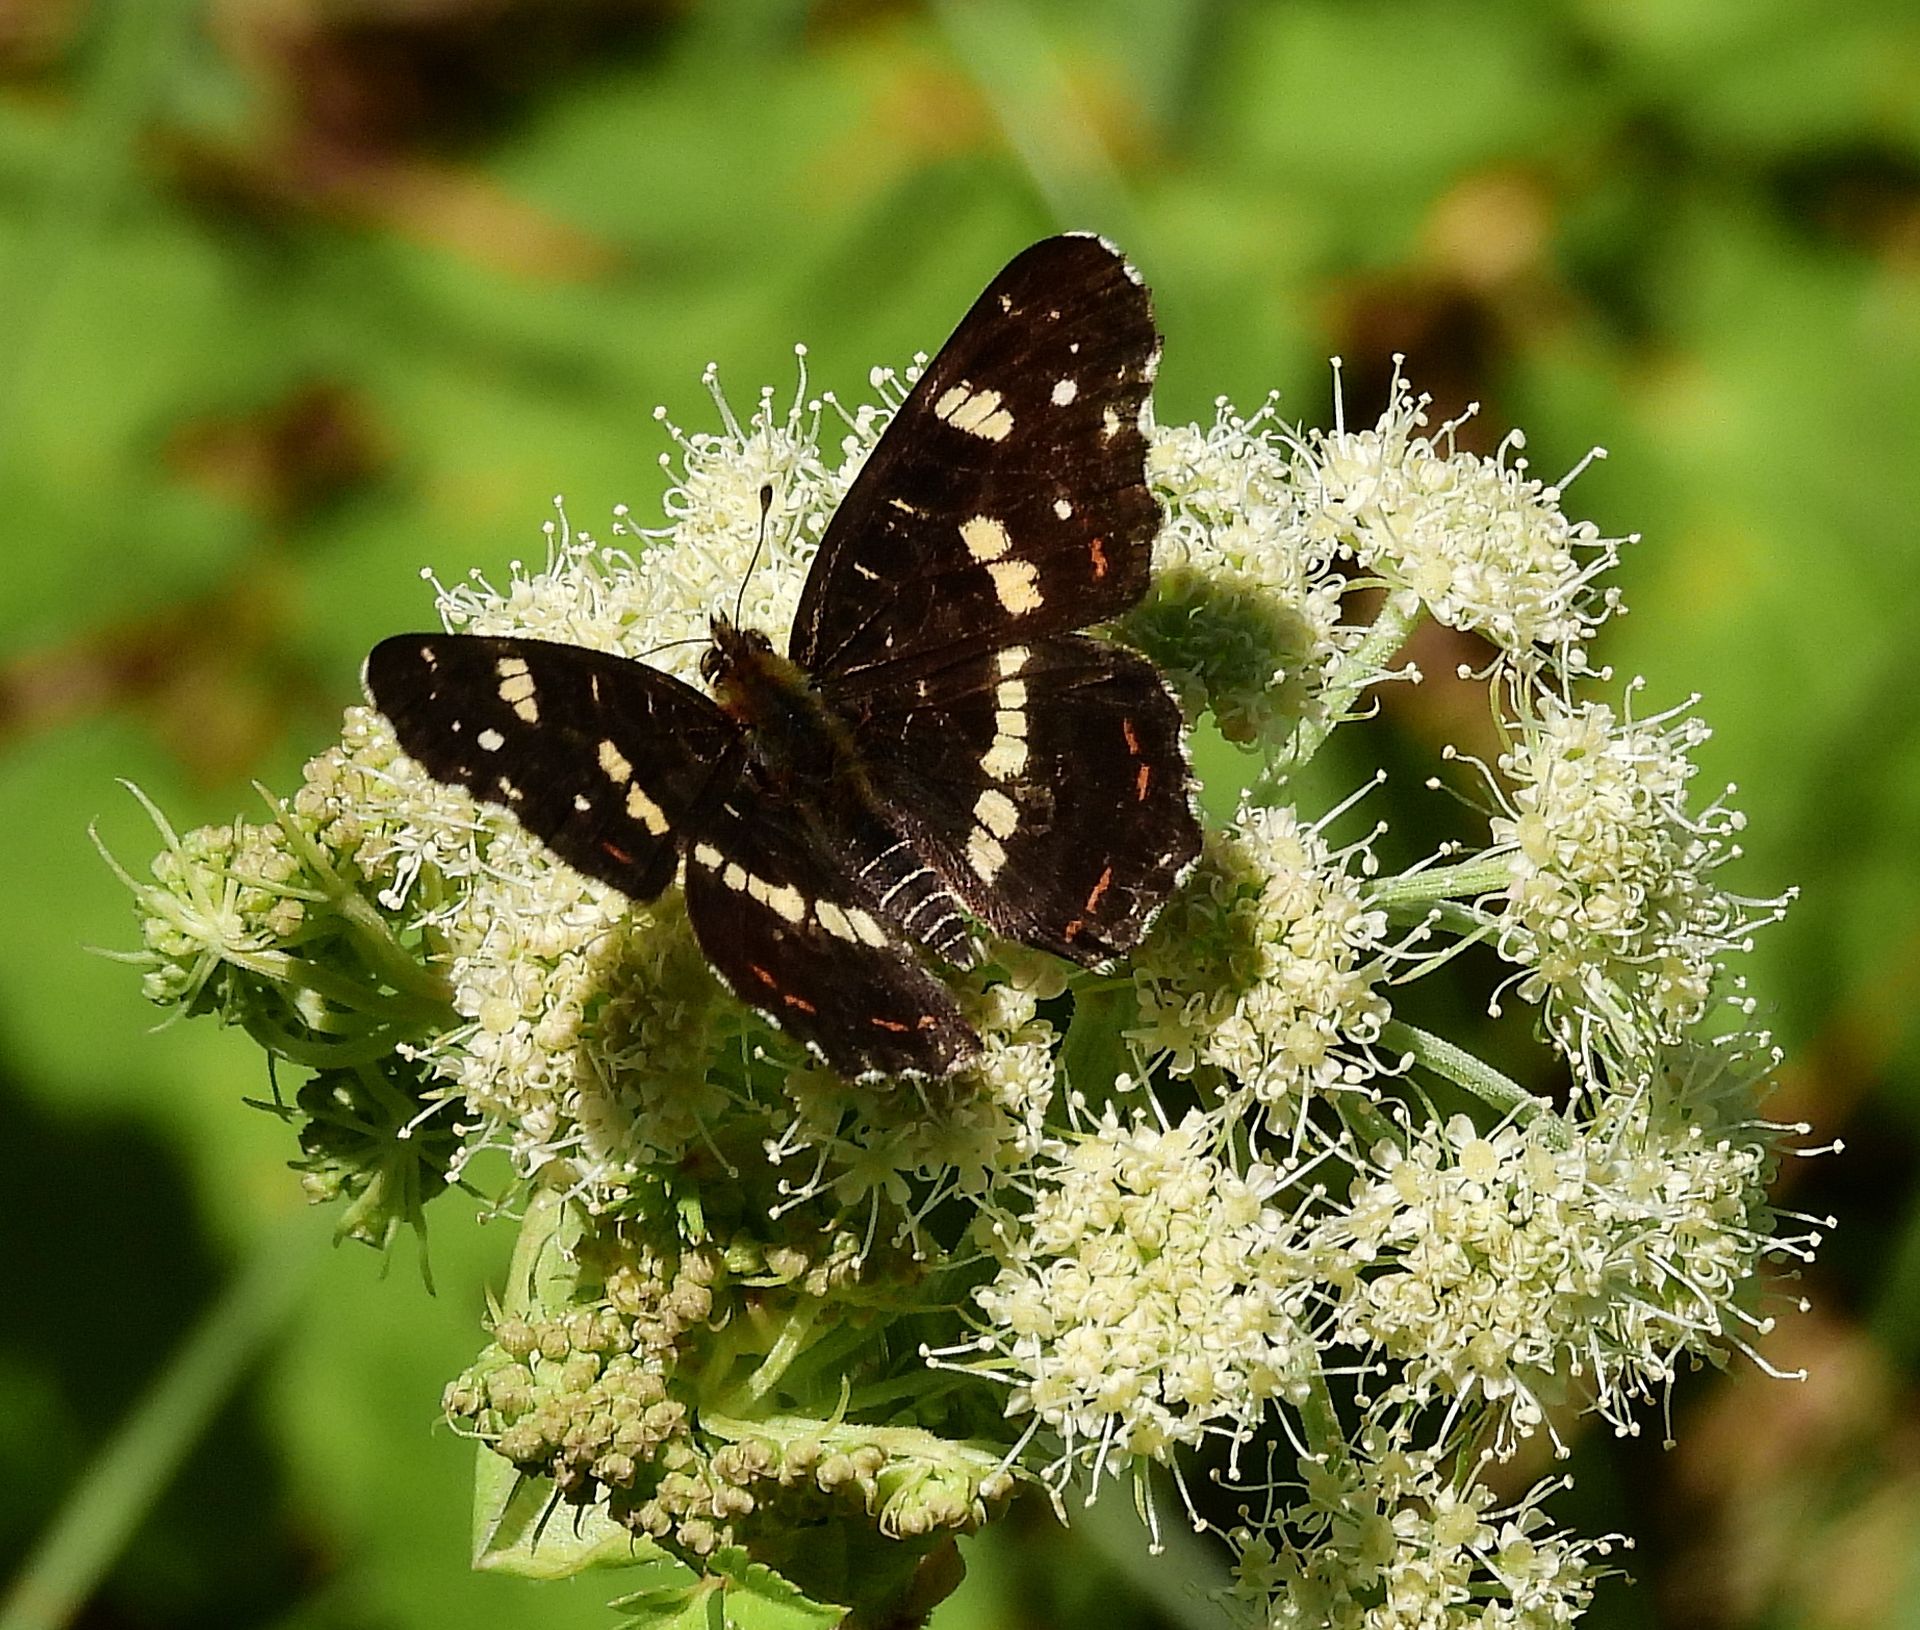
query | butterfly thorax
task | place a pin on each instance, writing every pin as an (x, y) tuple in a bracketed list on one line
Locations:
[(795, 735)]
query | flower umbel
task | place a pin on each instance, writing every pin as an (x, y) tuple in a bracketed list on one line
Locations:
[(1223, 1201), (1150, 1296), (1267, 967)]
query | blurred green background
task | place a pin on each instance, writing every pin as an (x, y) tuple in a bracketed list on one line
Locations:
[(297, 296)]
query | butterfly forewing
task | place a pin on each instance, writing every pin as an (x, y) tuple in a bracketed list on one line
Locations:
[(604, 759), (1008, 498)]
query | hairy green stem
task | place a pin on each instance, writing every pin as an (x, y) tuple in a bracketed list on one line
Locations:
[(1494, 1089), (1466, 880), (1360, 668), (795, 1330)]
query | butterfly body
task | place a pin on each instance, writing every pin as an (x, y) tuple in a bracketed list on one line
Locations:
[(795, 736), (937, 749)]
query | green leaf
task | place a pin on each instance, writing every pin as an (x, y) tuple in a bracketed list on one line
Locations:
[(739, 1594), (518, 1529)]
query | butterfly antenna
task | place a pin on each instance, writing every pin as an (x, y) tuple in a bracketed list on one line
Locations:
[(766, 503), (668, 645)]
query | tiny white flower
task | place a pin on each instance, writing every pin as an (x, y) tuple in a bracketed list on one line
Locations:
[(1265, 965), (1613, 908), (1518, 1267), (1151, 1297), (1243, 614), (1387, 1537), (1481, 543)]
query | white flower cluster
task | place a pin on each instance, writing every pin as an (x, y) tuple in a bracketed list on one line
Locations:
[(1481, 544), (967, 1134), (1150, 1297), (1384, 1538), (1562, 1262), (1612, 909), (1160, 1276), (1244, 613), (1265, 966)]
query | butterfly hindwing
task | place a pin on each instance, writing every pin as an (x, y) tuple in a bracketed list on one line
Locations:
[(1008, 498), (1050, 782), (604, 759), (786, 919)]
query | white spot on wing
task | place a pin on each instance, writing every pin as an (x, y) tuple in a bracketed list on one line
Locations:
[(786, 900), (1017, 584), (870, 932), (986, 539), (1063, 509), (994, 810), (1012, 660), (985, 855), (491, 741), (835, 921), (517, 688), (1006, 758), (979, 413), (1064, 391), (644, 810), (614, 763), (704, 854)]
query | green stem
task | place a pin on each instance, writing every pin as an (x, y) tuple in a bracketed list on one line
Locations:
[(1320, 1420), (133, 1469), (1362, 666), (921, 1385), (1474, 1075), (1465, 881), (795, 1331)]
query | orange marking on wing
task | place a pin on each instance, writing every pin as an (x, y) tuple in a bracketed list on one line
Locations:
[(888, 1024), (1073, 928), (927, 1021), (798, 1001), (1140, 783), (1100, 888), (614, 849), (761, 974), (1133, 741), (1098, 549)]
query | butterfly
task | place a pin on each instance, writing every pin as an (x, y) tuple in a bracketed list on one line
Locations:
[(937, 747)]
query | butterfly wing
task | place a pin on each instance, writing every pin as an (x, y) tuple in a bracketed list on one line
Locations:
[(604, 759), (1049, 783), (784, 917), (1007, 499)]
